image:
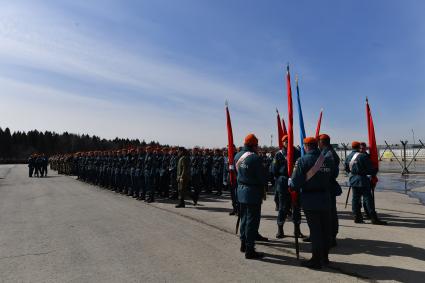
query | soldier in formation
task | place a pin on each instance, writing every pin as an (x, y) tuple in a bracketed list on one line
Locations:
[(146, 173)]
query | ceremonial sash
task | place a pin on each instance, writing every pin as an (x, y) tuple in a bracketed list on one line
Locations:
[(353, 160), (316, 167), (242, 158)]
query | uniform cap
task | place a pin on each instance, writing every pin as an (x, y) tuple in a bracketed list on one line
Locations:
[(324, 137), (310, 140), (251, 140), (355, 144)]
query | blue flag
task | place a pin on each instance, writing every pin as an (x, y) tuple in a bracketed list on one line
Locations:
[(301, 119)]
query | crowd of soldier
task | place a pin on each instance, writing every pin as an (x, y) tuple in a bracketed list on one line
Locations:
[(147, 172), (37, 165)]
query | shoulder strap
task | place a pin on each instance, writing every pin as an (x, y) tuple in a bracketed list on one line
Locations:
[(242, 158), (353, 159), (316, 167)]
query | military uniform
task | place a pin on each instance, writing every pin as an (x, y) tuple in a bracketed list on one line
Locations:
[(31, 166), (217, 172), (196, 163), (183, 177), (335, 190), (250, 178), (360, 168), (150, 172), (280, 173), (172, 172), (315, 200)]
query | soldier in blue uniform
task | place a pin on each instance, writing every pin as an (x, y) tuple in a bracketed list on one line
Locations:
[(172, 173), (164, 177), (311, 179), (31, 165), (250, 177), (217, 171), (335, 189), (44, 164), (206, 171), (279, 168), (150, 172), (360, 167)]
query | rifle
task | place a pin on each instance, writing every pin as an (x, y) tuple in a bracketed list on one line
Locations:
[(348, 195)]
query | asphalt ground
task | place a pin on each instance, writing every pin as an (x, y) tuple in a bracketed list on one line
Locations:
[(58, 229)]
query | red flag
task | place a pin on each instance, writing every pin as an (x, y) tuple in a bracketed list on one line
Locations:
[(230, 150), (285, 132), (319, 122), (279, 131), (373, 149), (290, 150)]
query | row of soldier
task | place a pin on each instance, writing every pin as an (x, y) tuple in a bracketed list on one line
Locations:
[(144, 173)]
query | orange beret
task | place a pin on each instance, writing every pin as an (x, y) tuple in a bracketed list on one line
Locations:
[(324, 137), (251, 140), (310, 140), (284, 138), (355, 144)]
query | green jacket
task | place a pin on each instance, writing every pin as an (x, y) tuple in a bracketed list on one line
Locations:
[(183, 170)]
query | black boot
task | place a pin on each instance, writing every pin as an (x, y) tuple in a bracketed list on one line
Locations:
[(151, 198), (243, 247), (181, 204), (376, 220), (358, 218), (250, 253), (280, 233)]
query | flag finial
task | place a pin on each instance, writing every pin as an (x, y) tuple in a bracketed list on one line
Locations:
[(277, 111), (321, 109), (226, 103), (367, 100), (287, 67), (296, 78)]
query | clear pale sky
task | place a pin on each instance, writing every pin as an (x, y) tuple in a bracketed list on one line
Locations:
[(162, 70)]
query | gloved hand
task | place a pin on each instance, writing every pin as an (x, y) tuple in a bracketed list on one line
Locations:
[(289, 182)]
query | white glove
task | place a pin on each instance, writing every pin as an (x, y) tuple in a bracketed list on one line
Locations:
[(289, 182)]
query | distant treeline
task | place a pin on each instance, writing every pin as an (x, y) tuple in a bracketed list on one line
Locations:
[(17, 146)]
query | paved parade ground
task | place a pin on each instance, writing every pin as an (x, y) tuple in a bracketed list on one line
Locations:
[(58, 229)]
